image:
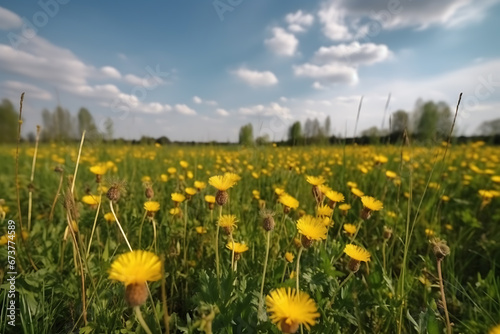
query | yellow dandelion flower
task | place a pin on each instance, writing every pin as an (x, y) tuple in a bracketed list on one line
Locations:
[(495, 178), (357, 192), (289, 257), (445, 198), (109, 217), (177, 198), (279, 191), (175, 211), (200, 185), (191, 191), (350, 228), (335, 196), (315, 180), (91, 200), (289, 309), (324, 188), (201, 230), (184, 164), (390, 174), (238, 247), (146, 179), (224, 182), (380, 159), (311, 227), (209, 199), (163, 177), (495, 330), (151, 206), (323, 211), (345, 207), (429, 232), (172, 170), (98, 169), (371, 203), (136, 267), (289, 201), (357, 253), (227, 221), (351, 184)]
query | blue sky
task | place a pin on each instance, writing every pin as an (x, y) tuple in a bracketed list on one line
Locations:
[(198, 70)]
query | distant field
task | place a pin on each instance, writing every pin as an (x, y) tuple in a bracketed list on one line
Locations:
[(426, 196)]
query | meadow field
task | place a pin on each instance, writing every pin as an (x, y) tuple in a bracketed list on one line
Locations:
[(377, 239)]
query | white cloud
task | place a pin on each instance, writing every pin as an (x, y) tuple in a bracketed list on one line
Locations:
[(273, 109), (341, 19), (282, 43), (197, 100), (111, 72), (184, 109), (14, 88), (256, 78), (299, 21), (353, 54), (9, 20), (330, 73), (222, 112), (318, 86)]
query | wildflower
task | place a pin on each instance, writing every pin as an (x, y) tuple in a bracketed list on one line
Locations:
[(370, 204), (200, 185), (357, 255), (311, 229), (238, 249), (163, 177), (222, 184), (172, 170), (91, 200), (288, 202), (351, 184), (334, 197), (134, 269), (495, 330), (184, 164), (289, 257), (350, 229), (99, 171), (175, 211), (279, 191), (357, 192), (201, 230), (256, 194), (177, 198), (289, 309), (429, 232), (210, 200), (445, 198), (268, 220), (151, 208), (227, 222), (440, 248), (4, 239), (323, 211), (344, 208), (316, 181), (109, 217), (190, 192), (380, 159), (390, 174)]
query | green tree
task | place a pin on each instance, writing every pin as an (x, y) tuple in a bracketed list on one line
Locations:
[(399, 121), (58, 125), (8, 122), (490, 128), (295, 134), (246, 135), (433, 121), (86, 123)]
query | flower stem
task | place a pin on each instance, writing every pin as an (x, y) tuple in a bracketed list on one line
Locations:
[(264, 272), (95, 223), (119, 225), (443, 297), (185, 234), (138, 314), (297, 272)]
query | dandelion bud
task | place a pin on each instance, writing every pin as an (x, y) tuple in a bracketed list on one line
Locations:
[(387, 233), (354, 265), (221, 197), (149, 192), (136, 294), (268, 222), (113, 193), (440, 248), (289, 328)]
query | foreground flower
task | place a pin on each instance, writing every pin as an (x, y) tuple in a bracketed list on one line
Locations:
[(109, 217), (316, 181), (91, 200), (288, 202), (151, 207), (227, 222), (238, 249), (134, 269), (222, 184), (311, 229), (210, 200), (334, 197), (357, 255), (289, 309), (190, 192), (177, 198), (370, 204), (349, 229), (99, 171)]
